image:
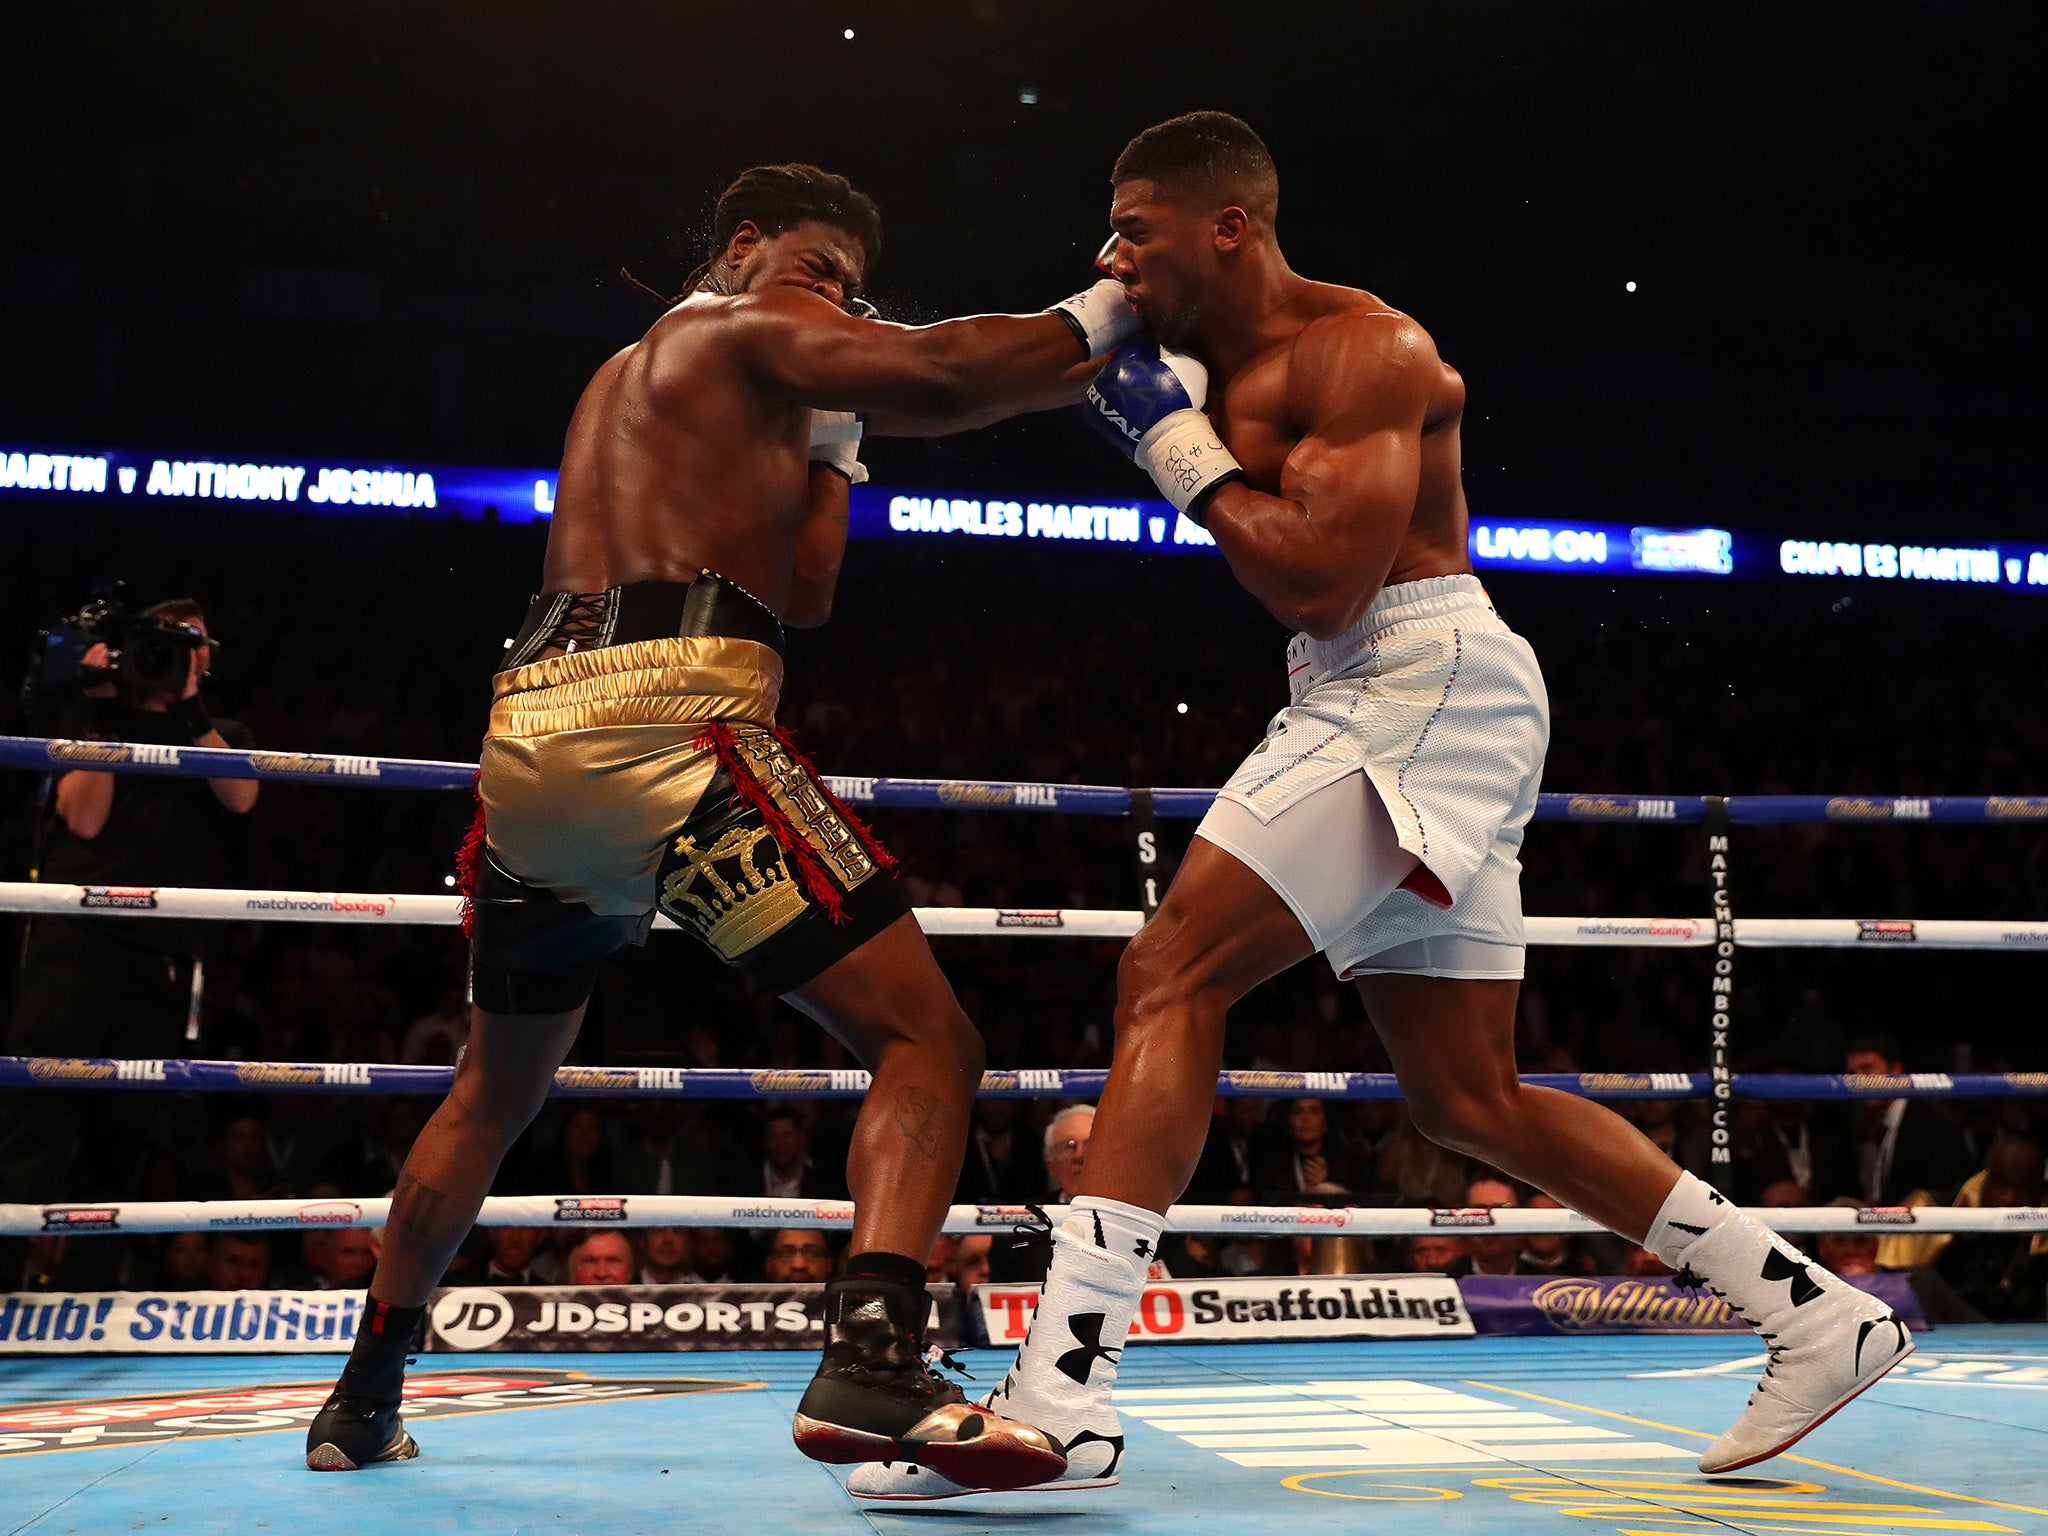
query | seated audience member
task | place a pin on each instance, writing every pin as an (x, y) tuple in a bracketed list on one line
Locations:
[(603, 1257), (1784, 1195), (1308, 1157), (711, 1256), (1490, 1255), (1233, 1153), (242, 1167), (1554, 1254), (1848, 1254), (797, 1257), (334, 1259), (1021, 1257), (969, 1265), (1003, 1164), (2004, 1276), (1901, 1145), (1433, 1253), (655, 1158), (237, 1261), (181, 1262), (514, 1256), (939, 1260), (581, 1163), (785, 1169), (664, 1256)]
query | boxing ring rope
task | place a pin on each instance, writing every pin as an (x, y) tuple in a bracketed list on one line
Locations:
[(389, 910), (43, 754), (611, 1211), (1722, 932), (777, 1083)]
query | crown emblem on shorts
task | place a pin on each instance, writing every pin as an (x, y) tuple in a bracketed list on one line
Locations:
[(734, 894)]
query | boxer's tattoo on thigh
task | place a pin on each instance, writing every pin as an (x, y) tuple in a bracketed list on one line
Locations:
[(415, 1204), (921, 1117)]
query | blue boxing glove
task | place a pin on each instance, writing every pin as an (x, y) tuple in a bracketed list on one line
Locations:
[(1148, 403)]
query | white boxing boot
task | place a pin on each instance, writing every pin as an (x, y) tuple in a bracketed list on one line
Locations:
[(1060, 1381), (1828, 1341)]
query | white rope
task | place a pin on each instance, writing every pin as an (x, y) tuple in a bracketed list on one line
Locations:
[(837, 1215), (388, 910)]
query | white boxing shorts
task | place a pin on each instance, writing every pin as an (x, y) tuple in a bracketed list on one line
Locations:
[(1387, 804)]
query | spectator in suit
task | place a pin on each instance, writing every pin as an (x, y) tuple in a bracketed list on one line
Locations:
[(785, 1168), (1232, 1155), (515, 1254), (664, 1256), (711, 1256), (801, 1257), (1490, 1255), (655, 1158), (2004, 1276), (603, 1257), (1003, 1163), (1308, 1157), (1902, 1145)]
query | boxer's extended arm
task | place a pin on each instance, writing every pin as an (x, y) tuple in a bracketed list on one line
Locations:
[(808, 348), (820, 548), (1318, 553), (1071, 388)]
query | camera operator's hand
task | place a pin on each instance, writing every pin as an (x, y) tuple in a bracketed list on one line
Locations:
[(99, 656), (195, 669)]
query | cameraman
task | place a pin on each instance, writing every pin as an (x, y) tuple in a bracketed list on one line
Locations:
[(117, 986)]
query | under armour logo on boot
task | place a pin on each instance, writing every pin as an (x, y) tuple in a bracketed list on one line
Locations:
[(1077, 1364), (1143, 1248), (1778, 1267)]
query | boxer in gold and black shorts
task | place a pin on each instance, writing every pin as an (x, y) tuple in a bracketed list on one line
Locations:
[(632, 765)]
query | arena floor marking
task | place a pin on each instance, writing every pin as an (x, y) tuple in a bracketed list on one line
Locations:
[(1522, 1435)]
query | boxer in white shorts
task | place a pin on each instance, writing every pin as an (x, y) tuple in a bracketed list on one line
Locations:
[(1387, 803), (1315, 432)]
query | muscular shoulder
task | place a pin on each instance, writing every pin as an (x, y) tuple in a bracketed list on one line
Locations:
[(1368, 353)]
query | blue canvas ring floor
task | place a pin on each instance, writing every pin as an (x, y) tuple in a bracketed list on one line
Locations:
[(1494, 1435)]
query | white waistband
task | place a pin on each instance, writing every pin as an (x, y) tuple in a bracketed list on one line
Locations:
[(1431, 597)]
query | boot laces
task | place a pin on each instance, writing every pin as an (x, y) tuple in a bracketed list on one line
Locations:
[(938, 1357)]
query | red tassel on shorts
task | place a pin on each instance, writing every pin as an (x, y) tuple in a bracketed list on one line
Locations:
[(469, 860), (719, 738)]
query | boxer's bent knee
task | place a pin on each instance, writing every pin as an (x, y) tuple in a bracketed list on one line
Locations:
[(1476, 1122)]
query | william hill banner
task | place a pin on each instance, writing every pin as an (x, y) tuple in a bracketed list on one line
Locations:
[(1534, 1304), (1310, 1307), (546, 1318)]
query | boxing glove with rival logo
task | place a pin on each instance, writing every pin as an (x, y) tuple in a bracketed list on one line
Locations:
[(1148, 403)]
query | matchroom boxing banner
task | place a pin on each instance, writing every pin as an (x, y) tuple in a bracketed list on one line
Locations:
[(635, 1317), (1307, 1307)]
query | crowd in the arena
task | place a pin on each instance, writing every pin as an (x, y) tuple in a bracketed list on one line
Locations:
[(377, 637)]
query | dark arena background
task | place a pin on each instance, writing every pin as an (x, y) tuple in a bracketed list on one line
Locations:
[(295, 304)]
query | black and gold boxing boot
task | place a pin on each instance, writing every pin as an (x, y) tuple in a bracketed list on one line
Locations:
[(875, 1398), (359, 1424)]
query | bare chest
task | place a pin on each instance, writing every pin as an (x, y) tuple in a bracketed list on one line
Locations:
[(1253, 419)]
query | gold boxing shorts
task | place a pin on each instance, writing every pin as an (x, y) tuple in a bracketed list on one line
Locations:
[(647, 775)]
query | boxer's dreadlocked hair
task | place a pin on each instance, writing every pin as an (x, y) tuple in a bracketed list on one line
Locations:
[(777, 198), (1206, 157)]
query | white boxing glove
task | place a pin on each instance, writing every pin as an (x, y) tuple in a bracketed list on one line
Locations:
[(835, 443), (1101, 317)]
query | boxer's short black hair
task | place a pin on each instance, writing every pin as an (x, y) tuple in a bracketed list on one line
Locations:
[(1207, 157), (777, 198)]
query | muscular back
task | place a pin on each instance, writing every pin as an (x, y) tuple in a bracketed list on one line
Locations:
[(679, 460), (1302, 417)]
